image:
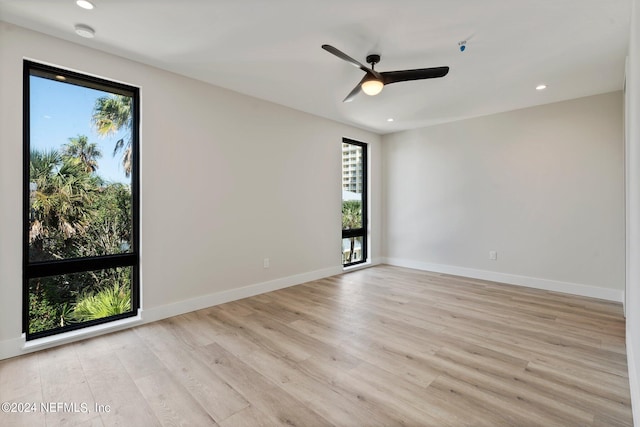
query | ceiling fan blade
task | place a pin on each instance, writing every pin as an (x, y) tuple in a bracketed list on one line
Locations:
[(350, 60), (389, 77), (355, 91)]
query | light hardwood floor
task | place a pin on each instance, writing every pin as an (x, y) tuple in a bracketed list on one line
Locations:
[(383, 346)]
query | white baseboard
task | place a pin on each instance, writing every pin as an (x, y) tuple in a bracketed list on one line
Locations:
[(186, 306), (11, 348), (18, 346), (513, 279), (378, 261)]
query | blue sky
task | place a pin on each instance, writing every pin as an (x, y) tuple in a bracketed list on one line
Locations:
[(60, 111)]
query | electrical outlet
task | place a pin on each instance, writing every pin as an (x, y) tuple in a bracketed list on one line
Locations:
[(493, 255), (266, 263)]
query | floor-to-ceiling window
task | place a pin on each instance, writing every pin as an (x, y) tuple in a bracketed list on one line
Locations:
[(354, 202), (80, 232)]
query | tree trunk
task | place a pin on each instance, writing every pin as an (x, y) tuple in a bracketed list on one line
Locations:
[(353, 244)]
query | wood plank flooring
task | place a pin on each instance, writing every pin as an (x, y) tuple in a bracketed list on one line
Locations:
[(383, 346)]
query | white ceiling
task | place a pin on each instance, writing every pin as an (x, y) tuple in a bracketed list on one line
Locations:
[(270, 49)]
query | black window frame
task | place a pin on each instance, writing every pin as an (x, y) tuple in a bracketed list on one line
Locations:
[(31, 270), (360, 232)]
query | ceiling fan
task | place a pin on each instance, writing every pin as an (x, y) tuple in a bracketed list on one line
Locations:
[(373, 81)]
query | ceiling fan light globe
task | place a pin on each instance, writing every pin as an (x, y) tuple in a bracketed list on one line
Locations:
[(372, 87)]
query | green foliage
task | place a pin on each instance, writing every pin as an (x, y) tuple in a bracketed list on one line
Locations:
[(42, 313), (111, 226), (58, 301), (85, 152), (351, 214), (110, 115), (47, 303), (351, 219), (66, 314), (62, 205), (107, 302)]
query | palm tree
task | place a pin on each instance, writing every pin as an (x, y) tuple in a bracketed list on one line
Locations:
[(111, 114), (351, 219), (80, 148), (61, 203)]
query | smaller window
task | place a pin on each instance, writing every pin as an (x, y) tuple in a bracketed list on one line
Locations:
[(354, 202)]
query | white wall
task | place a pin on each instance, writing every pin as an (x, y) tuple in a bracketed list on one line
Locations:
[(633, 210), (226, 180), (542, 186)]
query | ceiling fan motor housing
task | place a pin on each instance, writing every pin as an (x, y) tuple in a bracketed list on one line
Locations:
[(373, 59)]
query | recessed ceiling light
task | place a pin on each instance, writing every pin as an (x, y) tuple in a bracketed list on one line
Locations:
[(541, 87), (85, 31), (390, 119), (85, 4), (61, 78)]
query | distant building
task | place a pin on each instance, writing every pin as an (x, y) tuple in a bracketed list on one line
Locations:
[(351, 168)]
